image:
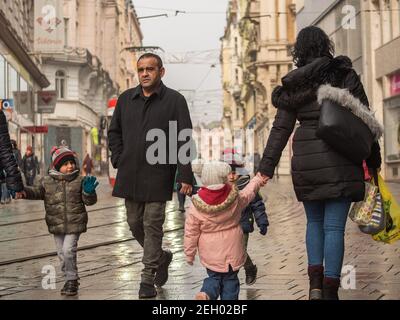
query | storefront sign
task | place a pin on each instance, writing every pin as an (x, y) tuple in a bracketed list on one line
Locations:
[(7, 106), (48, 26), (47, 101), (37, 129), (395, 85), (23, 101)]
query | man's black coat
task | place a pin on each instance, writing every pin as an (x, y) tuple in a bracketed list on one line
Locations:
[(138, 179)]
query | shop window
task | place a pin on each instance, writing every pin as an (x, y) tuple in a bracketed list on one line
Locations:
[(392, 134), (12, 82), (61, 84), (66, 35), (2, 77)]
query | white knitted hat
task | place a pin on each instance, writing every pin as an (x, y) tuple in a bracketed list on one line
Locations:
[(215, 172)]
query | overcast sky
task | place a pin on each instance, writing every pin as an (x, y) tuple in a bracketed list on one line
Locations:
[(196, 32)]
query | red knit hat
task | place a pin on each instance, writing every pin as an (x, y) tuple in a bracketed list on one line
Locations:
[(61, 155)]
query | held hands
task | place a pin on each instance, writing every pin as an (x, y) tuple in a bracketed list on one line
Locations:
[(90, 184), (263, 177), (186, 189)]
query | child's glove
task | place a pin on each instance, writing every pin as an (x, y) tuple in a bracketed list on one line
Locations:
[(90, 184), (263, 229)]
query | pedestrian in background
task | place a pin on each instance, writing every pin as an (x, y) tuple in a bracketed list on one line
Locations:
[(30, 166), (65, 194), (213, 228), (87, 165), (324, 179)]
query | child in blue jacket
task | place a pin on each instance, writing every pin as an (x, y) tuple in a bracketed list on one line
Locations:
[(254, 211)]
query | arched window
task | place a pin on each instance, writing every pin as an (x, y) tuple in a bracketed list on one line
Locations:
[(61, 84)]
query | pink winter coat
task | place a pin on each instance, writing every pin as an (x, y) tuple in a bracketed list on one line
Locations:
[(215, 230)]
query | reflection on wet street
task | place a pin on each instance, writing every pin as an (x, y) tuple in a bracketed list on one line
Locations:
[(109, 259)]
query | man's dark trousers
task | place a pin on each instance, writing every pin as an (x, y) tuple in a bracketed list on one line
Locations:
[(146, 221)]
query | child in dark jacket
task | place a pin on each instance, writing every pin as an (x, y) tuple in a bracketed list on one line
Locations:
[(254, 211), (65, 194)]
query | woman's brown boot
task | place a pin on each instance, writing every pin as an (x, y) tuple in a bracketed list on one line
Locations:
[(330, 288), (316, 276)]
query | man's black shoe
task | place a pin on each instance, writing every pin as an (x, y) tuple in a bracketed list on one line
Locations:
[(71, 287), (64, 288), (147, 290), (162, 271)]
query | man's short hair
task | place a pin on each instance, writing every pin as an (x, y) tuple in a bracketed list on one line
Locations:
[(152, 55)]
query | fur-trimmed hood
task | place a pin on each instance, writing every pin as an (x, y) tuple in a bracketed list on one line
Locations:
[(203, 206), (344, 98), (300, 85)]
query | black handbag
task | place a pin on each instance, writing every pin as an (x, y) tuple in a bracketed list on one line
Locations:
[(344, 131)]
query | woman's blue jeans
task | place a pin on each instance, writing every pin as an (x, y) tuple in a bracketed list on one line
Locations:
[(326, 222)]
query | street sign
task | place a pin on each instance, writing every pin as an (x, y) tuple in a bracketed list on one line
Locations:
[(23, 101), (7, 106), (48, 26), (47, 101), (37, 129), (395, 85)]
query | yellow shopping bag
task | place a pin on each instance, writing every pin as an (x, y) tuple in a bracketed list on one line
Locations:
[(392, 210)]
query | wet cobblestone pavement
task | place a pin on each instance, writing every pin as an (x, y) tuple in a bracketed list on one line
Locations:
[(109, 260)]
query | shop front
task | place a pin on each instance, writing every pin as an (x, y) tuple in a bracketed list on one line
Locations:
[(391, 109)]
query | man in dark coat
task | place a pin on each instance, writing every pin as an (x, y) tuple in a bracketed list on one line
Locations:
[(143, 139), (7, 159)]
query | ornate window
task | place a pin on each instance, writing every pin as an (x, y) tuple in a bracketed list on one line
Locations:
[(61, 84)]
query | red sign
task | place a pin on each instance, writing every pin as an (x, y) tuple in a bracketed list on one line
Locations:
[(37, 129), (112, 103), (395, 85)]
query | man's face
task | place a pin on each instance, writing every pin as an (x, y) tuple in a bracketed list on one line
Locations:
[(150, 73)]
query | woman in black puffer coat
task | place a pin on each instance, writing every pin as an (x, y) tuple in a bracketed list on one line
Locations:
[(324, 180), (7, 159)]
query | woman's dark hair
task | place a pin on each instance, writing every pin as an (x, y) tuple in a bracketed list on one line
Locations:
[(312, 42)]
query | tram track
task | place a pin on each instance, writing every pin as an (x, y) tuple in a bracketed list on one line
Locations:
[(41, 219), (81, 248)]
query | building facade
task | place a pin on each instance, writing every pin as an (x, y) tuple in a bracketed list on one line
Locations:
[(90, 67), (20, 73), (369, 33), (255, 56)]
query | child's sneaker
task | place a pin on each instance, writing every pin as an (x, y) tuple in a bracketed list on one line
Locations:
[(251, 275), (71, 287), (202, 296)]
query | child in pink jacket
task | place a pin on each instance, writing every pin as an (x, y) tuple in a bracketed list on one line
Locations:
[(212, 227)]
